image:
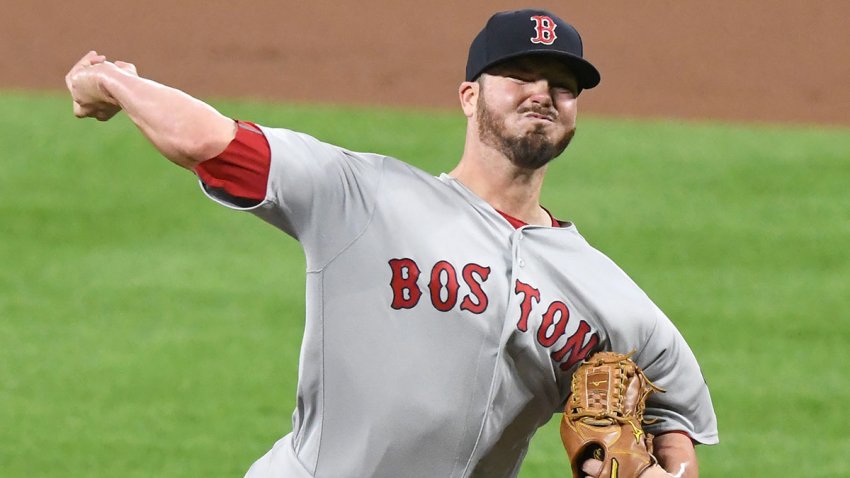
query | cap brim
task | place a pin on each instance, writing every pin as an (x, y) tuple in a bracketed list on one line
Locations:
[(587, 75)]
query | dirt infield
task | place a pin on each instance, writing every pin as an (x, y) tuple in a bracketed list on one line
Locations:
[(768, 60)]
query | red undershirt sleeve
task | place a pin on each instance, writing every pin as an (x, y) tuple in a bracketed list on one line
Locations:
[(518, 223), (242, 169)]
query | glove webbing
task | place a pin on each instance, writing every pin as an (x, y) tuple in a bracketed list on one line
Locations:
[(605, 409)]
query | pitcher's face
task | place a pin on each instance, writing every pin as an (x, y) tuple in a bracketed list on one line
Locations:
[(527, 109)]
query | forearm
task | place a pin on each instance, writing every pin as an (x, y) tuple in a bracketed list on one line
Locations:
[(184, 129), (676, 454)]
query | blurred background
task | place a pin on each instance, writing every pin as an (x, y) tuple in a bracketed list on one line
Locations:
[(145, 331), (766, 60)]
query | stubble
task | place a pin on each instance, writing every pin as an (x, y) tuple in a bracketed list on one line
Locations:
[(529, 150)]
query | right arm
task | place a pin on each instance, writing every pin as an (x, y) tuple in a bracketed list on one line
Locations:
[(292, 180), (184, 129)]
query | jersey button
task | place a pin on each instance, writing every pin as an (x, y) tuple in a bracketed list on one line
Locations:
[(521, 263)]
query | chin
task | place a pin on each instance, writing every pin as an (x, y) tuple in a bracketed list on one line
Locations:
[(536, 149)]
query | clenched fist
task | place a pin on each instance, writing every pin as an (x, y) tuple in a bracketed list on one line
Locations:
[(87, 82)]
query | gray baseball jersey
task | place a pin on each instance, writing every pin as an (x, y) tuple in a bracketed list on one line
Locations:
[(439, 337)]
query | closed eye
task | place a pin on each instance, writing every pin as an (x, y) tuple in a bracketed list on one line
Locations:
[(564, 90)]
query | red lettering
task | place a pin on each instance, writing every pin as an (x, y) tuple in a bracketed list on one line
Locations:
[(405, 291), (544, 27), (573, 345), (525, 306), (436, 285), (558, 327), (475, 288)]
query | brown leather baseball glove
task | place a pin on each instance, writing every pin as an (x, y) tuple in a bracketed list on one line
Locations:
[(604, 414)]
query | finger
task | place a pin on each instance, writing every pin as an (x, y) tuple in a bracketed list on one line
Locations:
[(70, 80), (95, 58), (592, 467), (655, 471), (91, 58), (81, 111)]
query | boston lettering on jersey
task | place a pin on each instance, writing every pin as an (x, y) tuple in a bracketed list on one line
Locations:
[(406, 293), (444, 288)]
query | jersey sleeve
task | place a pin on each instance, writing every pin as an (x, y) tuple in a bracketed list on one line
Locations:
[(685, 406), (318, 193), (239, 174)]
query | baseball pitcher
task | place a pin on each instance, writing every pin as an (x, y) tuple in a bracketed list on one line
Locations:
[(446, 316)]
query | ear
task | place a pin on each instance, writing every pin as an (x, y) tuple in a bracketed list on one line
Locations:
[(468, 93)]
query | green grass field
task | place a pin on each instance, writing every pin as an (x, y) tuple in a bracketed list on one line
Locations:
[(146, 331)]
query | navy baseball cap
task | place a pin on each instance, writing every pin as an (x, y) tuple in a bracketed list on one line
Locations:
[(518, 33)]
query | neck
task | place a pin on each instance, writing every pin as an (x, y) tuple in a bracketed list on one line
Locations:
[(494, 178)]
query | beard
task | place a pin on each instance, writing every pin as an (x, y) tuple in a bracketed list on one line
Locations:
[(529, 150)]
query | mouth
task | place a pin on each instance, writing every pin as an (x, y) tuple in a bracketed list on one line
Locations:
[(539, 117), (539, 114)]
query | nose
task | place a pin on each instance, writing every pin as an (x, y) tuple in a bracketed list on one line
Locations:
[(540, 92)]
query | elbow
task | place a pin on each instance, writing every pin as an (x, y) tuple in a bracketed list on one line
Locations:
[(193, 149), (197, 150), (187, 153)]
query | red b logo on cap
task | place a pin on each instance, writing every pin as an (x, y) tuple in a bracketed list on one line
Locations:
[(545, 29)]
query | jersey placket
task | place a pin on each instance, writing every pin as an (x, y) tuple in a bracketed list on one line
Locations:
[(521, 367)]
